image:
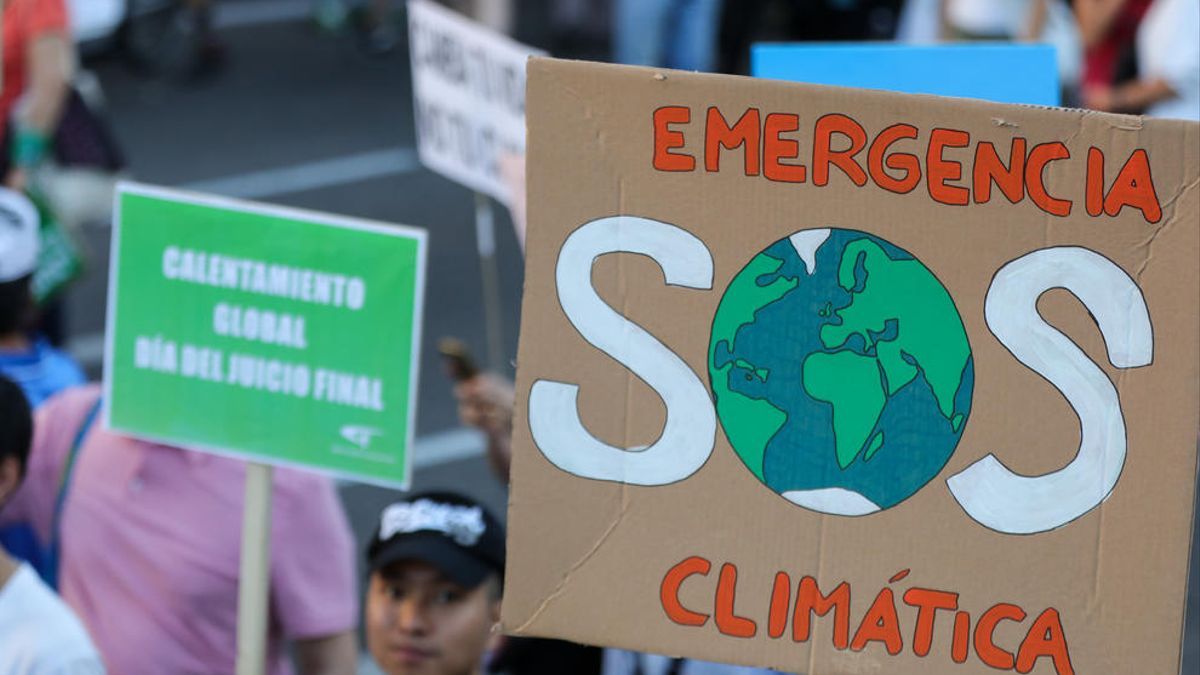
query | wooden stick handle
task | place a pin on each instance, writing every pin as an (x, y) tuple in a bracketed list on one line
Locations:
[(254, 580)]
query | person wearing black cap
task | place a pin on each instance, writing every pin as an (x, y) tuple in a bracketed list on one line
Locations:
[(436, 567)]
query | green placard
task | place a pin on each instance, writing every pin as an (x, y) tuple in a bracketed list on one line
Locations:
[(283, 336)]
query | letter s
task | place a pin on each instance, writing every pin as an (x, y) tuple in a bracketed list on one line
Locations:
[(991, 493), (689, 434)]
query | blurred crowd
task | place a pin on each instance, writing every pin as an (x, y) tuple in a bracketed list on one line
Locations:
[(1125, 56), (123, 554)]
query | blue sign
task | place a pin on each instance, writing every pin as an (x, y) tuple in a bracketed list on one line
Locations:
[(1004, 73)]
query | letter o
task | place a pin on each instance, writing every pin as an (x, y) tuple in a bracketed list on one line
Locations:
[(250, 324), (267, 326)]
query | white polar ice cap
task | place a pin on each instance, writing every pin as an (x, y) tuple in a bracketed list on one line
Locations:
[(806, 243), (835, 500)]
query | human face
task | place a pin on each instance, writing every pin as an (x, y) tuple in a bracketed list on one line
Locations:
[(421, 623)]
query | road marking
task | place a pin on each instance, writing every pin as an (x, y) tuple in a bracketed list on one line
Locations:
[(441, 447), (88, 349), (444, 447), (316, 175), (241, 15), (428, 451)]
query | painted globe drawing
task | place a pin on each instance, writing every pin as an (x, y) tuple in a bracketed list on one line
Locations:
[(841, 371)]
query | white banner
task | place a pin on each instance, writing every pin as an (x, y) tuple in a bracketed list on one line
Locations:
[(469, 92)]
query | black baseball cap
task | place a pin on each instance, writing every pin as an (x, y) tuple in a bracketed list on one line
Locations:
[(455, 534)]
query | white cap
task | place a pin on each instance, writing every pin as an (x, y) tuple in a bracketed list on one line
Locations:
[(19, 235)]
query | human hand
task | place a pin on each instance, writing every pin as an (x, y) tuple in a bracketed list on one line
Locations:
[(1102, 98), (485, 402)]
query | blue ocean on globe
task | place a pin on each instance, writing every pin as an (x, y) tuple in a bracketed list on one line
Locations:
[(841, 371)]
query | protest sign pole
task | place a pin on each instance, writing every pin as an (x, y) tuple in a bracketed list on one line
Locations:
[(485, 235), (254, 578), (453, 110)]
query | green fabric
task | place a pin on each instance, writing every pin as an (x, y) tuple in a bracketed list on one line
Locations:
[(59, 260), (29, 147)]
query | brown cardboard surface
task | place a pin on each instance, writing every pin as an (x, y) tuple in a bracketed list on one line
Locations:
[(588, 558)]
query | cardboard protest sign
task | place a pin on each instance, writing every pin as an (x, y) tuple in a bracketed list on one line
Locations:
[(469, 92), (845, 381), (1004, 73), (283, 336)]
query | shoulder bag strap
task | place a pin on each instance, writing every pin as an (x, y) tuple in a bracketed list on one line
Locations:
[(64, 482)]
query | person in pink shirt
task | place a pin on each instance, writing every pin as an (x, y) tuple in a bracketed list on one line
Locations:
[(149, 550)]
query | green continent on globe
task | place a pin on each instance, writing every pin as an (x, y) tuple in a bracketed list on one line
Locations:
[(928, 333), (841, 371), (752, 421), (850, 383)]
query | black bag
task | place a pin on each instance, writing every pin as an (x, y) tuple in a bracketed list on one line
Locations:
[(82, 140)]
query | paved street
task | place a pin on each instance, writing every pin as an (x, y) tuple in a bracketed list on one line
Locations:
[(303, 118)]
